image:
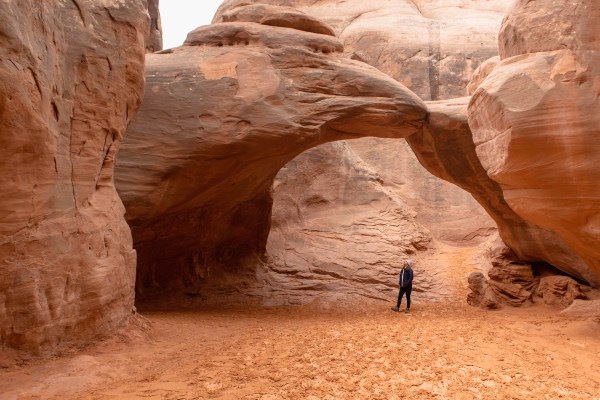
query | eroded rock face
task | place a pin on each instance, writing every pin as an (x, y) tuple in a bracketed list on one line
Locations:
[(559, 290), (432, 47), (507, 282), (285, 17), (71, 77), (536, 129), (221, 116), (481, 73)]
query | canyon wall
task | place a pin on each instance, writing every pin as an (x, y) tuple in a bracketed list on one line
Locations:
[(227, 171), (385, 34), (536, 129), (71, 77), (311, 212), (402, 39)]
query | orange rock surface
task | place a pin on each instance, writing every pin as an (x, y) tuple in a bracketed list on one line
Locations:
[(71, 76), (399, 38), (537, 130), (228, 170), (154, 37)]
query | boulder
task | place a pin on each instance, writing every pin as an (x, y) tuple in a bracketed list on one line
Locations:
[(512, 283), (509, 282), (481, 294), (71, 77), (559, 290), (481, 73)]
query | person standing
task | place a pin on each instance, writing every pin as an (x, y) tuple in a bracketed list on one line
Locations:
[(406, 278)]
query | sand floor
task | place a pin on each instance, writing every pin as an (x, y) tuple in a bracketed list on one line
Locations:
[(360, 350), (440, 351)]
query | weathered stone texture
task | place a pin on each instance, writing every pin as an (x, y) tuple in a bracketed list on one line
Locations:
[(536, 127), (446, 148), (380, 33), (154, 40), (338, 230), (559, 290), (71, 76)]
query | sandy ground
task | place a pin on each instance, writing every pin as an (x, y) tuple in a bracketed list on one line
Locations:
[(443, 350), (446, 351)]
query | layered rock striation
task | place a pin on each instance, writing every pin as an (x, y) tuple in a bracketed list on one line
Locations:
[(71, 77), (241, 98), (447, 149), (339, 231)]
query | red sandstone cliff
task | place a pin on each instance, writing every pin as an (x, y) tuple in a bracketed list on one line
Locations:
[(71, 77), (536, 128)]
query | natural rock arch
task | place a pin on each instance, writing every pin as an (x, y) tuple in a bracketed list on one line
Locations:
[(207, 163), (221, 115)]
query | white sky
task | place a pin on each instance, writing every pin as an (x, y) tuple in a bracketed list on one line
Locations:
[(180, 17)]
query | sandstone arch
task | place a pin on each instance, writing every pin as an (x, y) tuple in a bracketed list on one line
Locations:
[(309, 93), (222, 114)]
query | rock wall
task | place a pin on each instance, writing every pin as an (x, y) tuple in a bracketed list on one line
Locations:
[(447, 149), (340, 231), (536, 129), (532, 237), (71, 77), (379, 34)]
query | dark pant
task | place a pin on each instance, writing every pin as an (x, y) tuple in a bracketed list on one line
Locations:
[(403, 290)]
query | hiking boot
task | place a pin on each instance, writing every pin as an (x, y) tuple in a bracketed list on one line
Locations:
[(407, 311), (396, 309)]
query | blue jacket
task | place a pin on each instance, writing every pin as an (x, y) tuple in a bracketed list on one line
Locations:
[(406, 277)]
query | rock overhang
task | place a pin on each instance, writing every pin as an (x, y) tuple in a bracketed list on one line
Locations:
[(224, 112)]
